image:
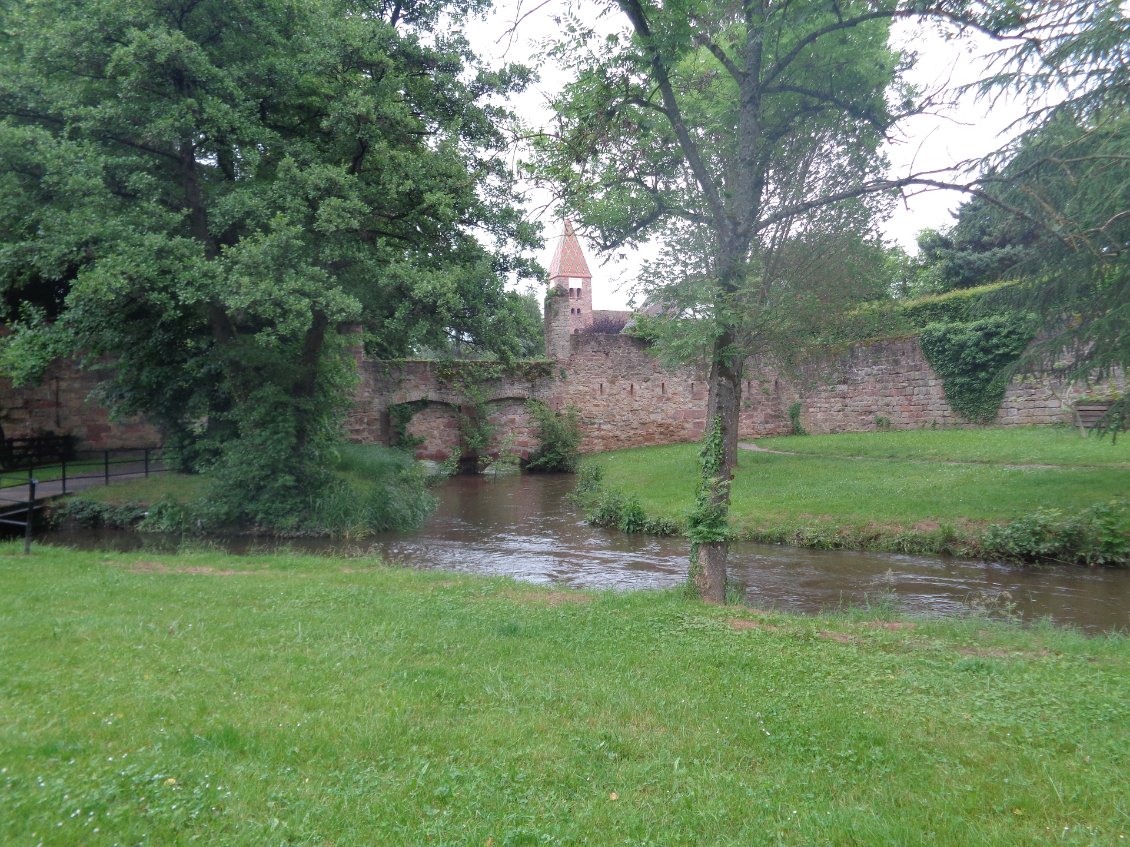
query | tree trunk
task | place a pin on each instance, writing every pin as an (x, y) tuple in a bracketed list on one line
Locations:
[(723, 406), (710, 577)]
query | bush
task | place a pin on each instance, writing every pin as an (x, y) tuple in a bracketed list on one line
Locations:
[(1099, 535), (612, 509), (559, 439), (91, 513)]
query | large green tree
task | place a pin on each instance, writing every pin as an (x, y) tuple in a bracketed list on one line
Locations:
[(1053, 208), (209, 191), (747, 136)]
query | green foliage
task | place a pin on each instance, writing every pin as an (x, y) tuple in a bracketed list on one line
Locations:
[(462, 372), (905, 317), (707, 521), (370, 489), (378, 489), (973, 360), (957, 306), (609, 507), (206, 193), (91, 513), (475, 428), (1054, 208), (1097, 535), (400, 415), (588, 483), (794, 420), (559, 438), (34, 343)]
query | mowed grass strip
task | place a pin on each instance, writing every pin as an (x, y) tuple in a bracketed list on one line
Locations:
[(286, 700), (775, 491), (1050, 445)]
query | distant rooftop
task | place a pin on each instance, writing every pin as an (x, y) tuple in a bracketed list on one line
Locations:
[(569, 258)]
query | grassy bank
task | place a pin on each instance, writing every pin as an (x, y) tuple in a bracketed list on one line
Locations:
[(372, 488), (912, 492), (303, 701)]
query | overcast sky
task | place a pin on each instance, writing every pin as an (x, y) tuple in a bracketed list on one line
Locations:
[(972, 129)]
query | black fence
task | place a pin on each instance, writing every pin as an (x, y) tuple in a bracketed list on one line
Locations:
[(18, 453), (23, 491)]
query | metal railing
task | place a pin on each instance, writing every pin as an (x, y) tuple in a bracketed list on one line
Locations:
[(85, 470), (35, 450)]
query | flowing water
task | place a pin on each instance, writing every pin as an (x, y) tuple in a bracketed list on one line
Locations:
[(524, 527)]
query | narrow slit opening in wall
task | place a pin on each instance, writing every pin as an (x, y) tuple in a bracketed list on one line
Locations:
[(602, 388), (631, 389), (662, 388)]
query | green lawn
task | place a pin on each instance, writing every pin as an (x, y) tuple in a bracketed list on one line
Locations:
[(302, 701), (181, 488), (1007, 445), (885, 503)]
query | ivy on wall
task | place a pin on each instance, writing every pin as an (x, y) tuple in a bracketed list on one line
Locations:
[(462, 372), (973, 357), (399, 416)]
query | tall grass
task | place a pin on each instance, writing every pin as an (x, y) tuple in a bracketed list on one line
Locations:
[(379, 489)]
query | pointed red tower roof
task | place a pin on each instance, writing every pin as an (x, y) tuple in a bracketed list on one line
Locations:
[(569, 258)]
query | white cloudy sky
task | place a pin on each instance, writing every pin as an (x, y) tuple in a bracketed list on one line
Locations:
[(973, 128)]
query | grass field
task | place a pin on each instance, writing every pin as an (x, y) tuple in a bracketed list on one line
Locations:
[(941, 484), (286, 700), (999, 445)]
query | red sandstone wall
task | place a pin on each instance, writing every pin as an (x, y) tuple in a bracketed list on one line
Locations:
[(628, 399), (891, 379), (436, 421), (61, 405)]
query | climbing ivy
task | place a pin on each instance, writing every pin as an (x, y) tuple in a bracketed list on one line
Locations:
[(460, 372), (973, 359), (707, 520), (399, 416)]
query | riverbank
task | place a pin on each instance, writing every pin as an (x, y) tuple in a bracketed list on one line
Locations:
[(210, 698), (1051, 495)]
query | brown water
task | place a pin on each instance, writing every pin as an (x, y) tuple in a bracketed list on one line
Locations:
[(524, 527)]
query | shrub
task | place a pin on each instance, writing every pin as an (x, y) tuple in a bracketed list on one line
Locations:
[(559, 438), (91, 513), (1099, 535), (632, 517)]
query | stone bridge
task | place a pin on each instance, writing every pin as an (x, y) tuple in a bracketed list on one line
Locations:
[(436, 396)]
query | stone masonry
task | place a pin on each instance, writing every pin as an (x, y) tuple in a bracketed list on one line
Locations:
[(624, 395), (62, 404)]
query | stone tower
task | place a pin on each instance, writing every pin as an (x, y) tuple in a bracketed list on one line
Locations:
[(569, 273)]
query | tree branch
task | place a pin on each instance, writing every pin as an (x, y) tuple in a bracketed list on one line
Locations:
[(635, 13)]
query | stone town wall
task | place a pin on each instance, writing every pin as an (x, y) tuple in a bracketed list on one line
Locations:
[(61, 404), (891, 381), (625, 397), (628, 399)]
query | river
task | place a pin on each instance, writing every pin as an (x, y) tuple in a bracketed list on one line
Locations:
[(523, 526)]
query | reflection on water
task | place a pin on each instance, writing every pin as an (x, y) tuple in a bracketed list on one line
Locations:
[(524, 527)]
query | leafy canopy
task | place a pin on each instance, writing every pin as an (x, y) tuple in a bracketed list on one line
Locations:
[(208, 190)]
